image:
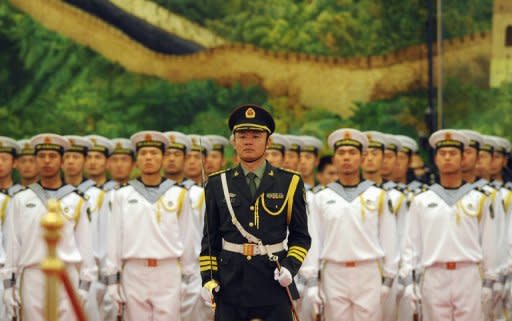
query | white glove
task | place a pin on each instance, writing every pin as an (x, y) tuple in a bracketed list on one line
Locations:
[(284, 277), (497, 291), (313, 294), (399, 292), (486, 295), (82, 296), (384, 293), (414, 296), (207, 291), (12, 301), (116, 294)]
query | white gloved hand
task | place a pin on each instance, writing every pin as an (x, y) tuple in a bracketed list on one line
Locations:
[(284, 277), (399, 292), (116, 294), (486, 295), (411, 294), (313, 294), (207, 291), (497, 291), (384, 293), (82, 296), (12, 301)]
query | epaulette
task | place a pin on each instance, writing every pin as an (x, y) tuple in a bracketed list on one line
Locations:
[(82, 194), (219, 172), (119, 186), (23, 188), (289, 171), (318, 188)]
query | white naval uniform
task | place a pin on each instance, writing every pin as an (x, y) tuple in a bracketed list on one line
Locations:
[(449, 233), (5, 197), (193, 307), (306, 278), (95, 197), (397, 203), (354, 235), (25, 246), (151, 243)]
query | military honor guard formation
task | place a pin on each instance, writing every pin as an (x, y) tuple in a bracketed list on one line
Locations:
[(156, 229)]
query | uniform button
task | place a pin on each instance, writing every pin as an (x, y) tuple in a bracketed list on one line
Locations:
[(251, 224), (252, 208), (249, 257)]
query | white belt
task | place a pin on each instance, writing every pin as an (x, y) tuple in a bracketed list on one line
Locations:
[(251, 249)]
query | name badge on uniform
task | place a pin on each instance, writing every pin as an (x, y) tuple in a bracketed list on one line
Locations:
[(132, 201), (331, 202), (432, 205), (30, 205), (275, 196)]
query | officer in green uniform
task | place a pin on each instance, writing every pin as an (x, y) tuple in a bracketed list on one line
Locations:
[(255, 219)]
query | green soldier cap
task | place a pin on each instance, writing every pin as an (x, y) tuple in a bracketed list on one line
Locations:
[(251, 117)]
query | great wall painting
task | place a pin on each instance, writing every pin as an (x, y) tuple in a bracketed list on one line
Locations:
[(315, 81)]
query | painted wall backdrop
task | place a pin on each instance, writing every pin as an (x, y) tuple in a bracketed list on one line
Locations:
[(114, 67)]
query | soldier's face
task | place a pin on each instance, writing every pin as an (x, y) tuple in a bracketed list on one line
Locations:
[(95, 163), (388, 163), (73, 163), (402, 165), (291, 160), (26, 166), (328, 175), (470, 159), (307, 163), (120, 167), (498, 161), (174, 161), (149, 160), (483, 165), (417, 165), (48, 163), (193, 164), (214, 161), (372, 161), (250, 145), (7, 164), (448, 160), (347, 160), (275, 157)]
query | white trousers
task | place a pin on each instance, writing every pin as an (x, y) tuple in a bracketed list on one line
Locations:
[(153, 293), (351, 293), (33, 295), (452, 295)]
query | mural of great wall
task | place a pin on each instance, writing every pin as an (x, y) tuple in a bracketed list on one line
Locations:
[(314, 81)]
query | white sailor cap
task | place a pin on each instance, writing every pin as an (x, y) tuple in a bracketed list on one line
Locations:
[(278, 142), (409, 145), (311, 144), (232, 139), (9, 145), (25, 148), (49, 142), (294, 142), (78, 144), (393, 143), (376, 139), (122, 146), (448, 138), (100, 144), (218, 142), (179, 141), (502, 145), (200, 144), (476, 140), (488, 145), (149, 138), (347, 137)]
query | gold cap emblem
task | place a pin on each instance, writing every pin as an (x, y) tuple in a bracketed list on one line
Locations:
[(172, 138), (250, 113), (347, 135), (47, 140), (148, 137), (448, 136)]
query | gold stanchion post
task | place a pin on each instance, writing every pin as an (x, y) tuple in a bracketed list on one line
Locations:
[(52, 266)]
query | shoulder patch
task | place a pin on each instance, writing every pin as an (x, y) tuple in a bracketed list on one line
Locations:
[(219, 172), (119, 186), (289, 171)]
